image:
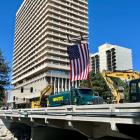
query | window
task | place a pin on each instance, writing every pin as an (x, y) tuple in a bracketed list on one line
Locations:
[(133, 87), (86, 91), (31, 89), (22, 89)]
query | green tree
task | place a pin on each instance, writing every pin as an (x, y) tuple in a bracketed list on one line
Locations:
[(98, 84), (4, 77)]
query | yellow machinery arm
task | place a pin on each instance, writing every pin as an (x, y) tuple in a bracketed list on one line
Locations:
[(44, 93), (112, 87), (126, 75)]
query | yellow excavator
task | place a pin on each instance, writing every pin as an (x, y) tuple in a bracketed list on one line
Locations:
[(41, 101), (118, 95)]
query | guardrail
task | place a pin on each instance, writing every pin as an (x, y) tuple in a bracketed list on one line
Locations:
[(127, 113), (126, 109)]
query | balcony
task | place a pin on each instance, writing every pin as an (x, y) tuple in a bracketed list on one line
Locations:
[(61, 5), (57, 53), (57, 60)]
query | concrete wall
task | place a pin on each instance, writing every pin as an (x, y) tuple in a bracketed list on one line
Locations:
[(123, 58)]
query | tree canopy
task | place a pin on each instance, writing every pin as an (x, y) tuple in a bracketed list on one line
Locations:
[(4, 76), (99, 85)]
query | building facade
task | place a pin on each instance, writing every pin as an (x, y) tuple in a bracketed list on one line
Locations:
[(40, 52), (111, 57), (95, 62)]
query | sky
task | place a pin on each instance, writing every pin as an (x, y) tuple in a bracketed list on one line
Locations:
[(110, 21), (116, 22)]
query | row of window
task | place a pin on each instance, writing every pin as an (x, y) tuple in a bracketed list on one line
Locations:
[(42, 63), (31, 89), (31, 63), (28, 35), (26, 12), (135, 87), (25, 59)]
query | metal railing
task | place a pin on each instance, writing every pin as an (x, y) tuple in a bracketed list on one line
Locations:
[(109, 110)]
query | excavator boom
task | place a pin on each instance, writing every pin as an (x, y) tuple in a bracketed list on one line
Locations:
[(125, 75)]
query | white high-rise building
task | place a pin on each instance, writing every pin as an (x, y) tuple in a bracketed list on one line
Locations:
[(40, 52), (111, 57)]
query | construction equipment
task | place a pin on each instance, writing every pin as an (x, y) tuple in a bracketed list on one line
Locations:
[(124, 75), (134, 92), (76, 96), (42, 100)]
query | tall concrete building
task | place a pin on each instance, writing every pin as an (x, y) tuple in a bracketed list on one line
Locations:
[(111, 57), (40, 52)]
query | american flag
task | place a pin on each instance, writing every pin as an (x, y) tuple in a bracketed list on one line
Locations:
[(79, 61)]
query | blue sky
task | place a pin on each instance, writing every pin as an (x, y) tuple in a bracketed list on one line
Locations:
[(112, 21), (8, 10), (116, 22)]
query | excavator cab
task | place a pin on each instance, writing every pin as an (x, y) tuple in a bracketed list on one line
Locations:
[(134, 92)]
